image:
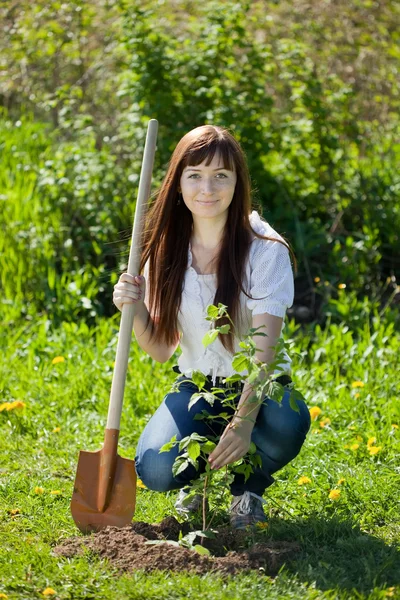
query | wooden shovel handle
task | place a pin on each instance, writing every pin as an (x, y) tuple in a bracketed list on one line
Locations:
[(128, 310)]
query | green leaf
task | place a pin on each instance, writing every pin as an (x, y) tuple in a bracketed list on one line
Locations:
[(168, 446), (240, 363), (295, 395), (275, 391), (233, 378), (208, 447), (252, 448), (201, 550), (224, 328), (194, 398), (210, 337), (199, 378), (212, 311), (193, 449), (179, 467)]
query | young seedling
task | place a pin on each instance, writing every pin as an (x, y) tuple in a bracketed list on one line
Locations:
[(195, 449)]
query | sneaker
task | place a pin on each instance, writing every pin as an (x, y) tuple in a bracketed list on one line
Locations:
[(247, 510), (186, 506)]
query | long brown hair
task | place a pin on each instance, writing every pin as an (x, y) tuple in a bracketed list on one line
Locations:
[(168, 229)]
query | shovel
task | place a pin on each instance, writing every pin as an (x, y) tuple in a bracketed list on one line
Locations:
[(105, 484)]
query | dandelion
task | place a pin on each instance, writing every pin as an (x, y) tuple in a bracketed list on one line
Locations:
[(371, 441), (56, 429), (342, 286), (49, 592), (395, 426), (140, 484), (315, 411), (3, 596), (357, 384), (354, 447), (261, 525), (16, 405), (324, 422), (39, 490), (56, 492), (317, 279), (374, 450), (389, 593), (334, 495), (14, 511), (57, 359), (341, 480), (303, 480)]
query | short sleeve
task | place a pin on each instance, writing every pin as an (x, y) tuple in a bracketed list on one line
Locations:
[(271, 278)]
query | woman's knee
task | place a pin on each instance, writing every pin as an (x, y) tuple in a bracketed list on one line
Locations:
[(281, 431), (155, 469)]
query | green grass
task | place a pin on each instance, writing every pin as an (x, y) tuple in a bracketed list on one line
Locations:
[(349, 547)]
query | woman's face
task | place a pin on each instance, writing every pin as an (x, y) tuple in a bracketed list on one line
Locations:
[(207, 190)]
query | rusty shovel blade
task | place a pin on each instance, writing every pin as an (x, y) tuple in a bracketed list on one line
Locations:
[(105, 488)]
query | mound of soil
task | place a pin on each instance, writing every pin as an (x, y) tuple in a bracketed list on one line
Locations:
[(127, 550)]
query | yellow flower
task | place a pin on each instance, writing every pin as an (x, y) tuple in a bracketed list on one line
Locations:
[(357, 384), (342, 286), (303, 480), (389, 592), (371, 441), (3, 596), (359, 438), (357, 395), (14, 511), (140, 484), (341, 480), (315, 411), (57, 359), (324, 422), (317, 279), (39, 490), (16, 405), (261, 524), (56, 429), (354, 447), (395, 426), (56, 492), (334, 494), (49, 592), (374, 450)]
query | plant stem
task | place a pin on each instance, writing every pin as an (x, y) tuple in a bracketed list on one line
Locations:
[(204, 505)]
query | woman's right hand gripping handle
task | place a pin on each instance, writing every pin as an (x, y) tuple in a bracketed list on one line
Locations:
[(130, 289)]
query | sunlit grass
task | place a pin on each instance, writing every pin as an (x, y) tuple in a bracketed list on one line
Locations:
[(339, 499)]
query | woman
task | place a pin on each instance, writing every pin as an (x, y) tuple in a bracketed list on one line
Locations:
[(202, 246)]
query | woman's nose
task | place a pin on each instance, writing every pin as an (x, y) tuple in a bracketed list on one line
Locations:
[(207, 186)]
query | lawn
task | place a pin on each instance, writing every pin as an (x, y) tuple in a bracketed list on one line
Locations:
[(339, 499)]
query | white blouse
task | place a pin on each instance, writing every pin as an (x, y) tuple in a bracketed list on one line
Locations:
[(269, 272)]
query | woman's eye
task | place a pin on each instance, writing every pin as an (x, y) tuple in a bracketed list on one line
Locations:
[(193, 175), (222, 176)]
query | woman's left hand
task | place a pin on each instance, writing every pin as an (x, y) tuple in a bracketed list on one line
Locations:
[(233, 444)]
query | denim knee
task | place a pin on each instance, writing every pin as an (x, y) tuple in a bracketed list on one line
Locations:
[(280, 431), (155, 469)]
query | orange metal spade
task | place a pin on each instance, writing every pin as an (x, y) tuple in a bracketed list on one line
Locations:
[(105, 484)]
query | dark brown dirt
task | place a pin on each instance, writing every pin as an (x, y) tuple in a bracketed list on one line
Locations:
[(126, 549)]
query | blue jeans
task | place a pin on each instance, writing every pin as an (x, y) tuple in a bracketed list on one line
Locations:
[(279, 433)]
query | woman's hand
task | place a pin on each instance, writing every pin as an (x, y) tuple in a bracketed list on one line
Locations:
[(130, 289), (233, 444)]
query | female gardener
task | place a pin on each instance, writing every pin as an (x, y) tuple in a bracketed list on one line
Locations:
[(203, 245)]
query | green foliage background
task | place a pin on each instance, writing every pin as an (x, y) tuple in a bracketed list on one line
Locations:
[(311, 90)]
